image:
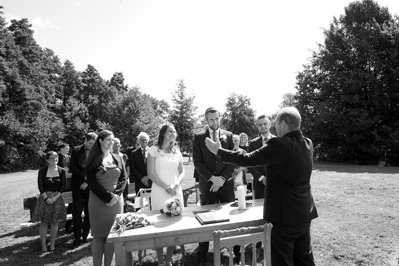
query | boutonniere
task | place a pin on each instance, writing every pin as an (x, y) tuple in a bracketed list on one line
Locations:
[(223, 138)]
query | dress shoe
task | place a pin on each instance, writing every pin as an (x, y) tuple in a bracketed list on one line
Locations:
[(76, 243)]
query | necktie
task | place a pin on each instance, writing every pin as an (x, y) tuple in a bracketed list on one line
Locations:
[(214, 135), (145, 159)]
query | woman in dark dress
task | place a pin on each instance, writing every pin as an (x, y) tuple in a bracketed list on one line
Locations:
[(50, 207), (106, 176)]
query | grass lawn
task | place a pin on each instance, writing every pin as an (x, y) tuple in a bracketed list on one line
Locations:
[(357, 224)]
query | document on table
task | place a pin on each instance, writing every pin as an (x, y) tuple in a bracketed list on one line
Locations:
[(210, 217)]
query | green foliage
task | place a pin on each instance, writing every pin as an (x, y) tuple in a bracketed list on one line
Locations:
[(349, 92), (44, 102), (182, 116), (132, 113), (239, 116)]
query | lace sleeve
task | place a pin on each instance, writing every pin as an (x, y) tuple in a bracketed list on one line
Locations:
[(153, 151)]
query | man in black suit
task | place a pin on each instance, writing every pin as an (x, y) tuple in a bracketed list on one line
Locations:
[(215, 177), (80, 190), (289, 204), (138, 164), (64, 160), (259, 173)]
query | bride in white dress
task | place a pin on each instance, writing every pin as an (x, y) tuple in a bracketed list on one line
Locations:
[(165, 169)]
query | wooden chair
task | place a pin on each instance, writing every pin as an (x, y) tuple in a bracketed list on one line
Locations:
[(243, 236)]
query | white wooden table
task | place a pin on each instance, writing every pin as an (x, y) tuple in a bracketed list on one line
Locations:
[(183, 229)]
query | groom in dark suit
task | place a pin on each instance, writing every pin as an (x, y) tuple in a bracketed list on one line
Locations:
[(138, 164), (289, 204), (259, 173), (215, 182)]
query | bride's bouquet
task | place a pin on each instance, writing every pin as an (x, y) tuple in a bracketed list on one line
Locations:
[(172, 207), (129, 220)]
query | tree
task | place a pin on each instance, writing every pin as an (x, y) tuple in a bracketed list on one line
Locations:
[(27, 120), (288, 100), (182, 116), (239, 116), (132, 113), (97, 97), (349, 92)]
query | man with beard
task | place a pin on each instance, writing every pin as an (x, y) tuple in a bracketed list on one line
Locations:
[(215, 182)]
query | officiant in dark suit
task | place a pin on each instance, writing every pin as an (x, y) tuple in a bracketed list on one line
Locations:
[(289, 204), (138, 164), (260, 173), (215, 182)]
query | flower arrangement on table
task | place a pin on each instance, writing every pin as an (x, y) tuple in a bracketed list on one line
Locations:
[(129, 220), (172, 207)]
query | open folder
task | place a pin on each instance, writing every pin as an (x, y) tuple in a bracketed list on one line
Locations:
[(210, 217)]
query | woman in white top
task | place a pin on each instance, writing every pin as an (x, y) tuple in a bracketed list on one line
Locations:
[(165, 169)]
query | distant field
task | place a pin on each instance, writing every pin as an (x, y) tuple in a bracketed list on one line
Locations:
[(358, 223)]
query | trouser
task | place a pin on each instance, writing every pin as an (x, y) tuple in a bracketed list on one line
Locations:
[(222, 196), (81, 226), (290, 245)]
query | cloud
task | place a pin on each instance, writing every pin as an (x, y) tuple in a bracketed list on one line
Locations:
[(77, 4), (43, 23)]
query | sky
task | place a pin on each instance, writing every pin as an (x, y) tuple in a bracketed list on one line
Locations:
[(218, 47)]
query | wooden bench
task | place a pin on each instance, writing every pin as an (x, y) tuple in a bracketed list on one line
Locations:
[(67, 196)]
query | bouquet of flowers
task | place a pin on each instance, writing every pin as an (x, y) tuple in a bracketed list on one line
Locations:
[(129, 220), (172, 207)]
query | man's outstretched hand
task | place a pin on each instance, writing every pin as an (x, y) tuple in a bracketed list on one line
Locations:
[(212, 146)]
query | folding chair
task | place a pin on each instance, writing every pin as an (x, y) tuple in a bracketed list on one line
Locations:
[(243, 236), (143, 199)]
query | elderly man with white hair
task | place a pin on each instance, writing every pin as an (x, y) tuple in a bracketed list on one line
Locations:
[(138, 163)]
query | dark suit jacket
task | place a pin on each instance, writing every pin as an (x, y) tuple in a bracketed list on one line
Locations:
[(138, 169), (257, 172), (99, 190), (208, 165), (289, 162), (77, 166), (64, 160)]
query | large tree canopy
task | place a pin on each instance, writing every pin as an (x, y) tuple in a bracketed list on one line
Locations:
[(239, 116), (44, 102), (349, 92)]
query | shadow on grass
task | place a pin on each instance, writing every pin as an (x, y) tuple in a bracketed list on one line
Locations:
[(25, 232), (28, 252), (351, 168)]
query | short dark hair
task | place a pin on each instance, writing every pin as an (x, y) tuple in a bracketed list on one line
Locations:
[(263, 116), (63, 145), (210, 110), (48, 154), (90, 136)]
